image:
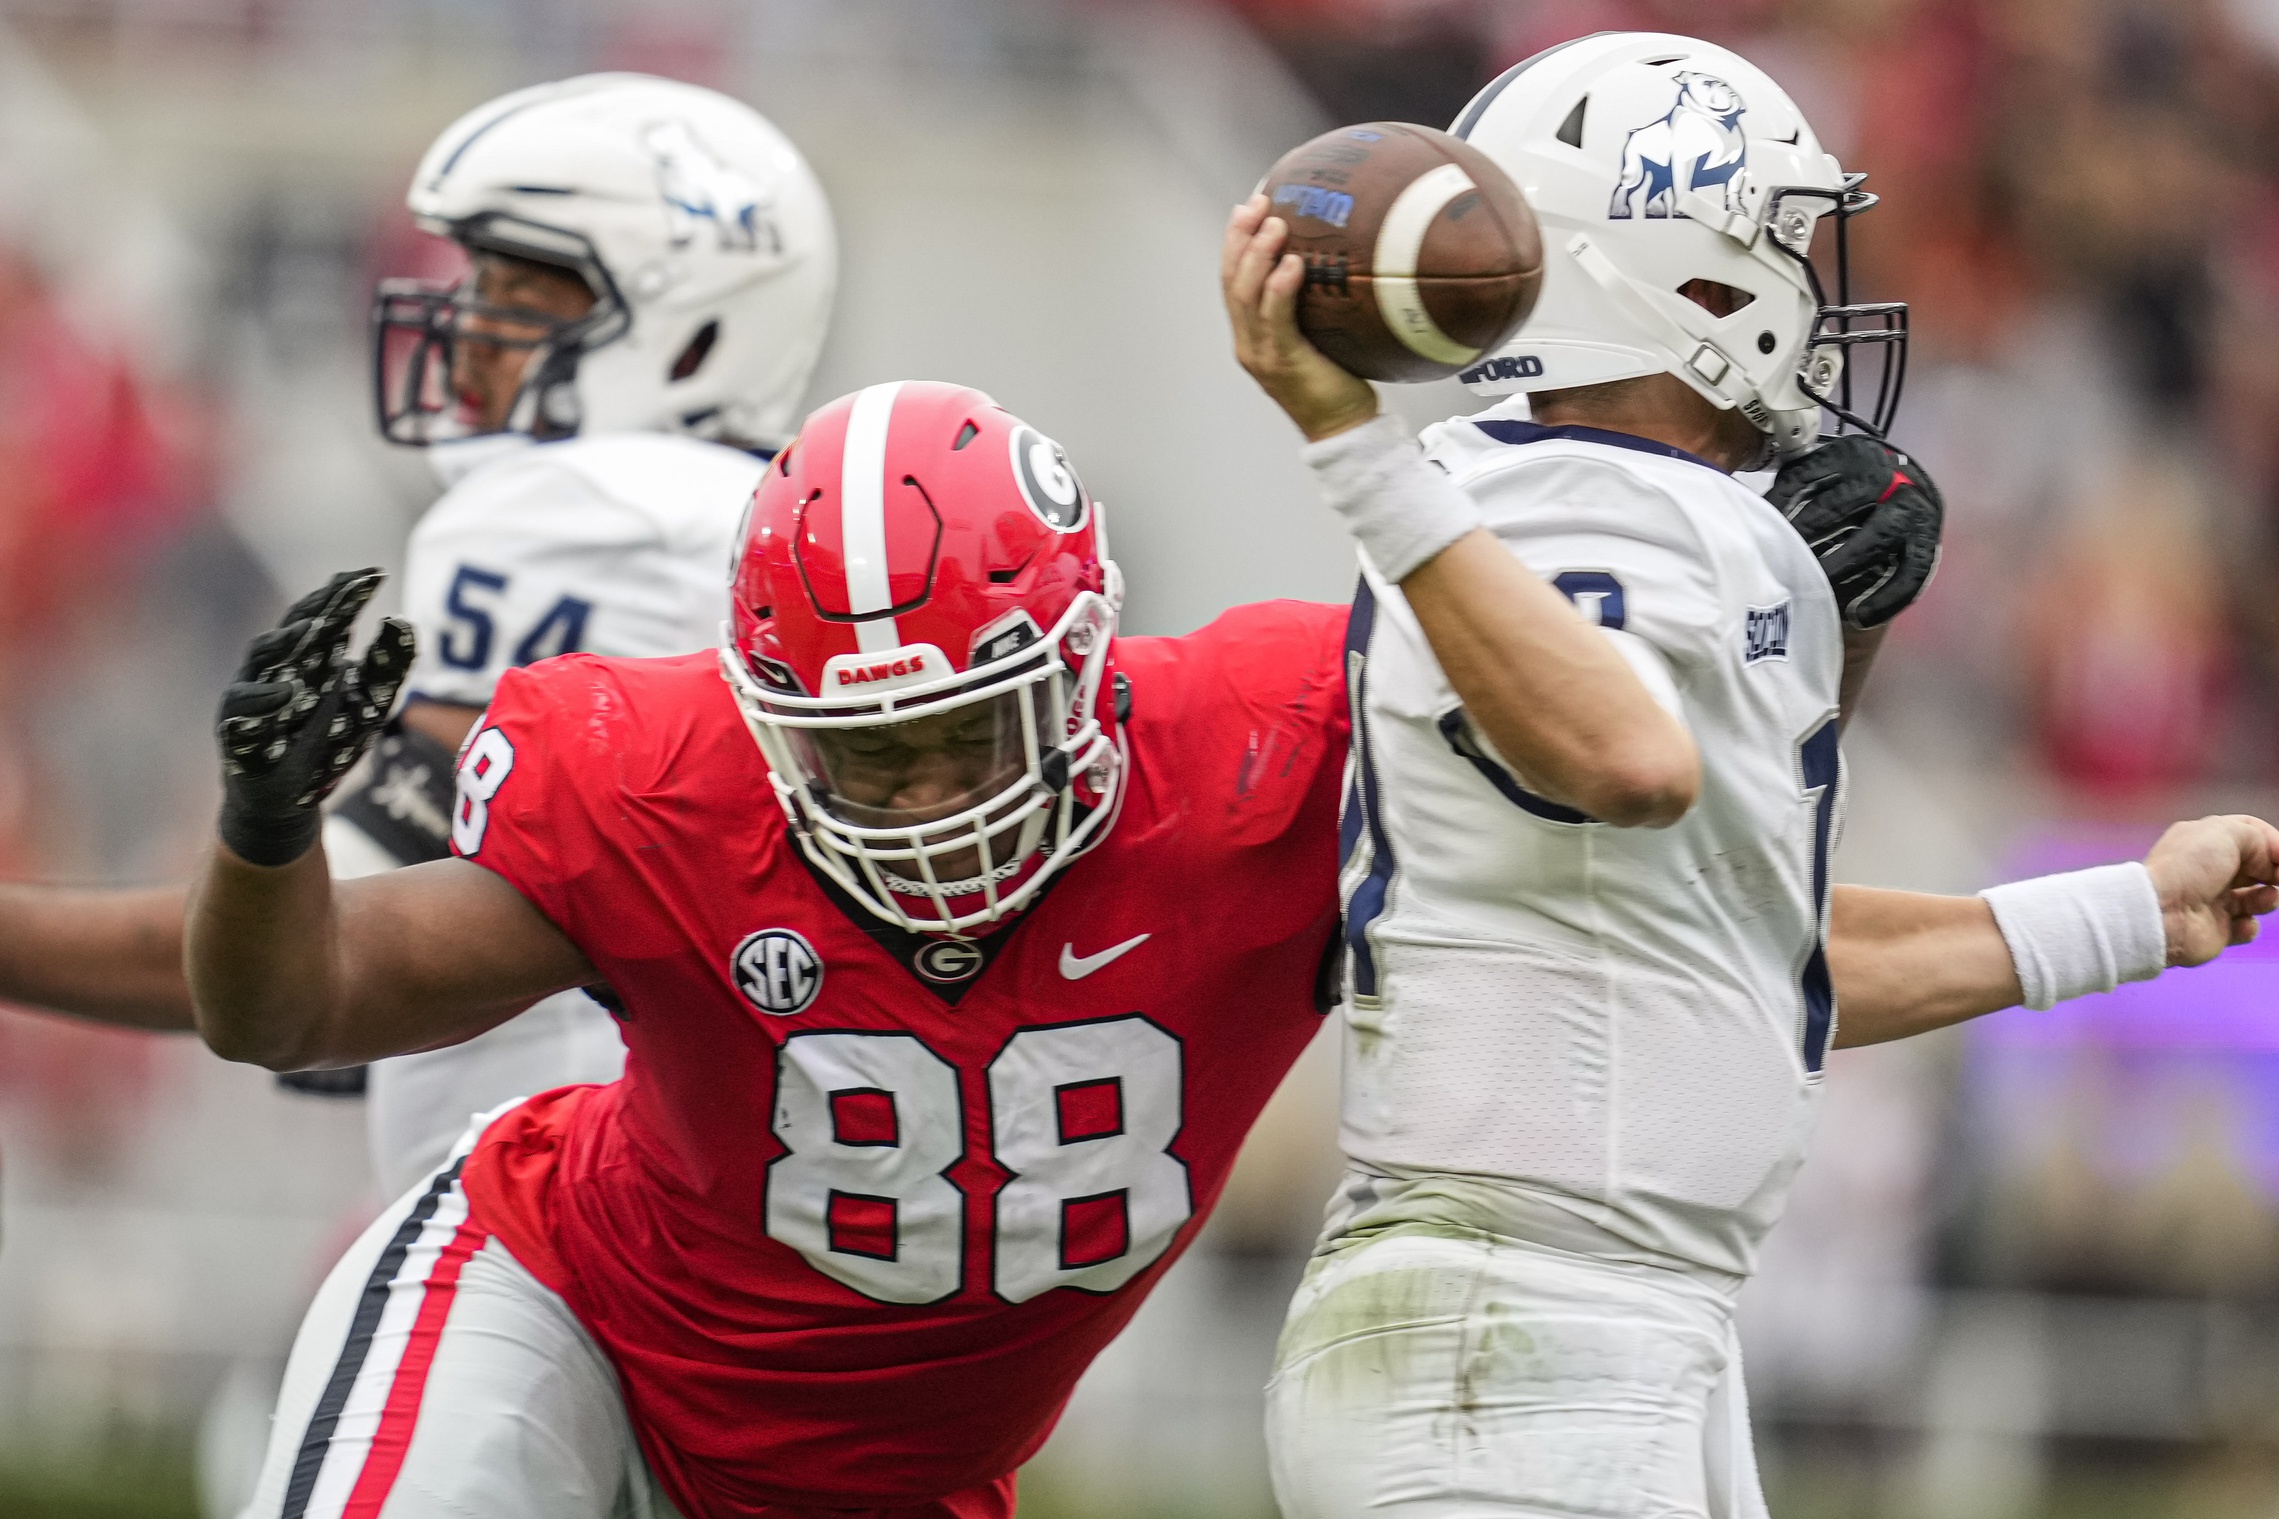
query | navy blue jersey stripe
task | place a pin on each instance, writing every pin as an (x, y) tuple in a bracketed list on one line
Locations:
[(374, 1302), (1459, 736), (1823, 766), (1368, 902), (1512, 430)]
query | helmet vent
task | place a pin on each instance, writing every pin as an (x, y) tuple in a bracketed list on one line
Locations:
[(965, 435), (1571, 130), (698, 350), (1656, 63)]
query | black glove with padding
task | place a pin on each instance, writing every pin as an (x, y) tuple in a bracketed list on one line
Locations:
[(299, 713), (1872, 518)]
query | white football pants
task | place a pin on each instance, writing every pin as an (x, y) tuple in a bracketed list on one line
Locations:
[(436, 1378), (1424, 1377)]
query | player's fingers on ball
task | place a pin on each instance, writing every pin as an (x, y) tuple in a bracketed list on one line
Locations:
[(1241, 223), (1280, 309), (1259, 256), (1249, 274)]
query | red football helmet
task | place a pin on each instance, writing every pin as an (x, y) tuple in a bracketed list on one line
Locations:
[(923, 620)]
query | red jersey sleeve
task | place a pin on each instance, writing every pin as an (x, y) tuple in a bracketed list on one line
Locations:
[(521, 809), (1272, 677)]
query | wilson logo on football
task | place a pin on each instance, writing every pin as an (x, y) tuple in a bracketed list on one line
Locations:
[(778, 971)]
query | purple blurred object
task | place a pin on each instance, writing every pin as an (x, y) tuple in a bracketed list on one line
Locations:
[(2230, 1004)]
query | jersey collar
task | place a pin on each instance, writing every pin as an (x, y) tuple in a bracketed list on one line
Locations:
[(454, 459), (1513, 430)]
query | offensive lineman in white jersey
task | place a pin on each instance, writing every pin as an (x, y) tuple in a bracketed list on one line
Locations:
[(652, 272), (1583, 1043)]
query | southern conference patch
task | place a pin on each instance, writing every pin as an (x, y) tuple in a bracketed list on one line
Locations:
[(1766, 636)]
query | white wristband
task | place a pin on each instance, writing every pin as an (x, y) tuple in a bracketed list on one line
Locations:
[(1401, 507), (2086, 931)]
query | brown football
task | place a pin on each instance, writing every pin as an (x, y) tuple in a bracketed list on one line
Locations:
[(1421, 255)]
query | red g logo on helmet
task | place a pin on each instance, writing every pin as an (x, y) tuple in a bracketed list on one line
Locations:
[(1051, 488)]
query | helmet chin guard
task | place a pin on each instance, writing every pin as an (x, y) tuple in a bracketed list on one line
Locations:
[(1654, 161), (1015, 835), (923, 631)]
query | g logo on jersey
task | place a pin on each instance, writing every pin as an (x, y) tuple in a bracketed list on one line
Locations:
[(949, 961), (778, 971), (1040, 468)]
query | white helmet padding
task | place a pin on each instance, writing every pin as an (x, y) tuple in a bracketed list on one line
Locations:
[(1653, 160), (702, 232)]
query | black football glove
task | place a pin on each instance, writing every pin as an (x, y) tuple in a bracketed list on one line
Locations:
[(299, 714), (1872, 518)]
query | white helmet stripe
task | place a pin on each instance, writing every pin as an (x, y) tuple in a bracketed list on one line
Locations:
[(862, 516), (1400, 239)]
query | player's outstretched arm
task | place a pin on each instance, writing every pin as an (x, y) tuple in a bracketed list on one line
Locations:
[(289, 970), (1547, 690), (1905, 962), (293, 970), (110, 954)]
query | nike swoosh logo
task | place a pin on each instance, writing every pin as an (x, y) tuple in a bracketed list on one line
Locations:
[(1076, 967)]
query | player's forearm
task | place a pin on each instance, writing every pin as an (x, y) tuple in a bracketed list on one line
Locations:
[(1906, 962), (1861, 645), (1548, 691), (262, 960), (114, 955)]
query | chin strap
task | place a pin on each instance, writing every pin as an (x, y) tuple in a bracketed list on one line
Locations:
[(1688, 334), (1683, 330)]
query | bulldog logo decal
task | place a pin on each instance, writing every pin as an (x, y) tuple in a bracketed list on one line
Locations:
[(1697, 146)]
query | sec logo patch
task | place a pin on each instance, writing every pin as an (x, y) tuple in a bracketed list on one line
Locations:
[(778, 971)]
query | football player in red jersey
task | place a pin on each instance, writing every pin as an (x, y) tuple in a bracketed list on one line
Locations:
[(926, 1089)]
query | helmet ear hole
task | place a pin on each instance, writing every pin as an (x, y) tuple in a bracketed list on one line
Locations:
[(1571, 130), (699, 348)]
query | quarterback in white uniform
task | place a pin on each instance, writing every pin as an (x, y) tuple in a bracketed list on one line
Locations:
[(1587, 990), (653, 266)]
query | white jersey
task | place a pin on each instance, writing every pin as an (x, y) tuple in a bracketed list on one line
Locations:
[(617, 544), (1601, 1038)]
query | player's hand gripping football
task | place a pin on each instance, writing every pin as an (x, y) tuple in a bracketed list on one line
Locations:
[(299, 713), (1872, 517), (2215, 877), (1261, 285)]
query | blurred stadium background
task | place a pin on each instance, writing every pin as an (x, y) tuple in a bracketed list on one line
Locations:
[(2032, 1268)]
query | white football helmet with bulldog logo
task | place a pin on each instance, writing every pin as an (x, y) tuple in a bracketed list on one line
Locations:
[(1653, 161), (701, 231)]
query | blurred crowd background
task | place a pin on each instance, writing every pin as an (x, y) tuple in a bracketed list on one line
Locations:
[(2032, 1268)]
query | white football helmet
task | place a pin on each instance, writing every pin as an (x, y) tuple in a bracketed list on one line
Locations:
[(701, 231), (1654, 160)]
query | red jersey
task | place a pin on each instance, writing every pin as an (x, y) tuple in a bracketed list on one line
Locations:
[(867, 1203)]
